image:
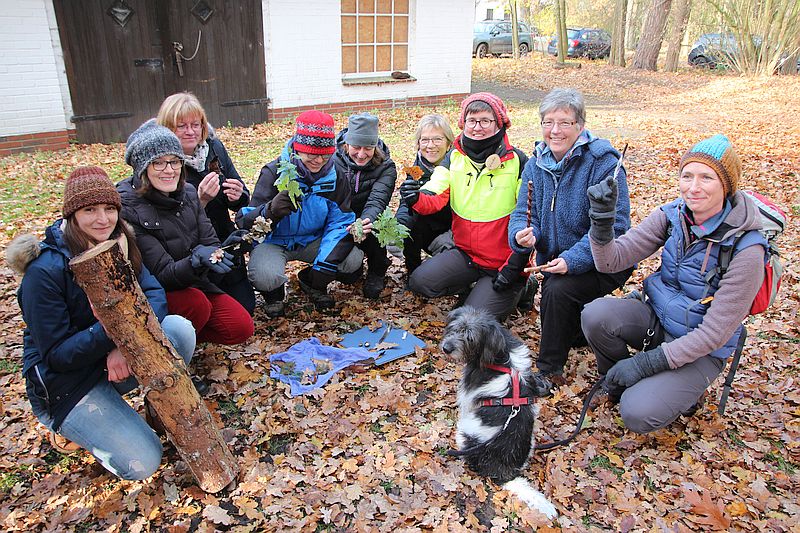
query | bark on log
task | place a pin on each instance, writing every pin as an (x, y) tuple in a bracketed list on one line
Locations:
[(109, 282)]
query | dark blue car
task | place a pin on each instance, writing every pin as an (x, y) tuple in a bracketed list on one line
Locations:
[(592, 43)]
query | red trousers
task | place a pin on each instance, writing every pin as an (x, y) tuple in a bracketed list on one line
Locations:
[(216, 318)]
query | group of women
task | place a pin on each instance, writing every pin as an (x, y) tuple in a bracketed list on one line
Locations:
[(481, 209)]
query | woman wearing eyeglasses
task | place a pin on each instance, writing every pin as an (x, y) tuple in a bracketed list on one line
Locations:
[(563, 166), (311, 227), (479, 179), (177, 239), (431, 233)]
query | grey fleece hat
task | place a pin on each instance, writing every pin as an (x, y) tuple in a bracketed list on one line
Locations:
[(149, 142), (362, 130)]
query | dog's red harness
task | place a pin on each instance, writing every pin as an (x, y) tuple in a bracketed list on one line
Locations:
[(514, 400)]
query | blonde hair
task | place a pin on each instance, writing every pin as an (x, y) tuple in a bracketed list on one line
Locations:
[(438, 122), (179, 106)]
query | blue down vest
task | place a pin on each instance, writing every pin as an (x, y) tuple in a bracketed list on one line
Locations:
[(675, 291)]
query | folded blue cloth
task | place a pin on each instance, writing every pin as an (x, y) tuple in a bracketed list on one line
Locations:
[(310, 357)]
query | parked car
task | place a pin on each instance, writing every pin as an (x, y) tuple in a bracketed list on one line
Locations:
[(712, 49), (494, 37), (584, 42)]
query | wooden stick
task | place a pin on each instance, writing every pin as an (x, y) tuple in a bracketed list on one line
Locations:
[(536, 268), (109, 282), (530, 204)]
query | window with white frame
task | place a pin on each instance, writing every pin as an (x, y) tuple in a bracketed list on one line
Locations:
[(374, 36)]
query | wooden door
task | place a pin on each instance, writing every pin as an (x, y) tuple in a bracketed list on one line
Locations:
[(227, 72), (114, 65)]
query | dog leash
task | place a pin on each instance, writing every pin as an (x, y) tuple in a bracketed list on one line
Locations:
[(579, 426)]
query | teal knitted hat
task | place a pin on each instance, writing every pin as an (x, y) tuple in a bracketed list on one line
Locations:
[(718, 153)]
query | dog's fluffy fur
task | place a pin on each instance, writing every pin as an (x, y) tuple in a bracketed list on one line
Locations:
[(476, 339)]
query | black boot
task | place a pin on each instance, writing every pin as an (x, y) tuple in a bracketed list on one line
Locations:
[(525, 302), (273, 302), (315, 285), (374, 285)]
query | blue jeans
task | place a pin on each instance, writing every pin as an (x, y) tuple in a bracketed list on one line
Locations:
[(103, 423)]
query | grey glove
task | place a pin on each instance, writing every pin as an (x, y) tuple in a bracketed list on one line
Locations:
[(201, 258), (642, 365), (602, 210)]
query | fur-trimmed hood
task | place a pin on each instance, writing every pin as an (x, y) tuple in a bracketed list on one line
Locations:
[(22, 251)]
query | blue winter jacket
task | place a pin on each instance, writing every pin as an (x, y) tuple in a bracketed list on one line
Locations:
[(324, 213), (560, 207), (65, 347), (677, 291)]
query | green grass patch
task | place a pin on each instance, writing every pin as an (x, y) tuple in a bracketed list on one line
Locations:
[(8, 366)]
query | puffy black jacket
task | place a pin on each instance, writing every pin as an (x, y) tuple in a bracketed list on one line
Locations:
[(371, 186), (167, 229), (439, 221), (218, 208)]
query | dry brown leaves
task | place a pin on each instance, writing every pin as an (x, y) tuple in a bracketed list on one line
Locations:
[(367, 452)]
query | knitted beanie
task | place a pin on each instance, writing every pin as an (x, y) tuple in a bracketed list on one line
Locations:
[(718, 153), (89, 186), (362, 130), (497, 105), (315, 133), (148, 143)]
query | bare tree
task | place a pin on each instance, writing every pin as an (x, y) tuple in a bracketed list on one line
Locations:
[(681, 14), (649, 46), (633, 23), (618, 35), (512, 5), (561, 30)]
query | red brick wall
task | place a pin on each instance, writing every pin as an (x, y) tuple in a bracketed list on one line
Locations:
[(51, 140), (284, 113)]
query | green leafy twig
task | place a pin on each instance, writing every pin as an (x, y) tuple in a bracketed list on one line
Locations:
[(288, 180), (389, 231)]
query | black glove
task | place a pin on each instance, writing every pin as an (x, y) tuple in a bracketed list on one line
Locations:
[(409, 191), (511, 271), (642, 365), (280, 206), (602, 210), (237, 238), (201, 258)]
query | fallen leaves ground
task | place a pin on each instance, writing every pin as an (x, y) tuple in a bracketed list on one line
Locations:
[(367, 451)]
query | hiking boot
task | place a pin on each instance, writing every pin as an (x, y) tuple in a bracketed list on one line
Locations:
[(320, 298), (525, 302), (373, 286), (273, 302), (352, 277)]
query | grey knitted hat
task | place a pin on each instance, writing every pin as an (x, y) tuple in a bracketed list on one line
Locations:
[(149, 142), (362, 130)]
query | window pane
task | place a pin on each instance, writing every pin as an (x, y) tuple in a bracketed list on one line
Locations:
[(401, 29), (384, 58), (384, 6), (348, 30), (384, 30), (348, 59), (348, 6), (400, 7), (400, 57), (366, 61), (366, 6), (366, 30)]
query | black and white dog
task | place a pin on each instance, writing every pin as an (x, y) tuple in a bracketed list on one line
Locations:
[(495, 401)]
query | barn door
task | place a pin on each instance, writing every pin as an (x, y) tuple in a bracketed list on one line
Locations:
[(114, 63), (217, 52)]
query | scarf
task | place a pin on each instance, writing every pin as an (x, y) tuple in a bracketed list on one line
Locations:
[(479, 149), (198, 160)]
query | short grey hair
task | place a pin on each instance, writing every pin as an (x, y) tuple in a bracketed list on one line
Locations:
[(435, 121), (560, 98)]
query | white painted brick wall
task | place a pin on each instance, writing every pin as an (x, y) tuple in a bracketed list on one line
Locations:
[(30, 86), (303, 52)]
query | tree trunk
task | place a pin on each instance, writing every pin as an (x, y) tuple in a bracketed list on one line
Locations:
[(561, 30), (649, 46), (632, 24), (109, 282), (682, 9), (618, 36), (512, 4)]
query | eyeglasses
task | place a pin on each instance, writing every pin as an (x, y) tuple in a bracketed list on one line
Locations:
[(174, 164), (197, 126), (436, 141), (484, 122), (310, 157), (562, 124)]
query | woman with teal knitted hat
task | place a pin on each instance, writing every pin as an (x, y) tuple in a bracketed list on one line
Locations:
[(688, 321)]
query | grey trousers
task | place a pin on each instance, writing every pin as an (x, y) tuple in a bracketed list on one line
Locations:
[(267, 266), (610, 325)]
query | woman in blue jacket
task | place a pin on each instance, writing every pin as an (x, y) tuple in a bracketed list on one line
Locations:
[(75, 375)]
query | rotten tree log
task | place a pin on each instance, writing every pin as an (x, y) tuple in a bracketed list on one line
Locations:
[(109, 282)]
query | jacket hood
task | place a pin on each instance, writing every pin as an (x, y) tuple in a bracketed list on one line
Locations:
[(23, 250), (341, 152), (743, 216)]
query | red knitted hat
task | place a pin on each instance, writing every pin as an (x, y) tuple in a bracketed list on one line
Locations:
[(89, 186), (315, 133), (497, 105)]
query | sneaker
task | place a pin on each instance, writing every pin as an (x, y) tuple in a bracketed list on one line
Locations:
[(525, 302), (321, 299), (542, 384), (373, 286), (273, 302)]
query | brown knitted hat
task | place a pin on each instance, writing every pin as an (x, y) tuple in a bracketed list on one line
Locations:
[(89, 186), (718, 153)]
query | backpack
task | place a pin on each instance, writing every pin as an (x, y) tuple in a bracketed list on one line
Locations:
[(773, 222)]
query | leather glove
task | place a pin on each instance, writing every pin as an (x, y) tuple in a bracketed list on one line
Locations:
[(280, 206), (644, 364), (603, 210), (409, 192), (237, 238), (511, 271), (201, 258)]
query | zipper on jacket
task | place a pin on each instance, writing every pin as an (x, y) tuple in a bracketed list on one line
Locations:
[(41, 380)]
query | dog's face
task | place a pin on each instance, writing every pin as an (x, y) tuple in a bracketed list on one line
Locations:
[(473, 336)]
